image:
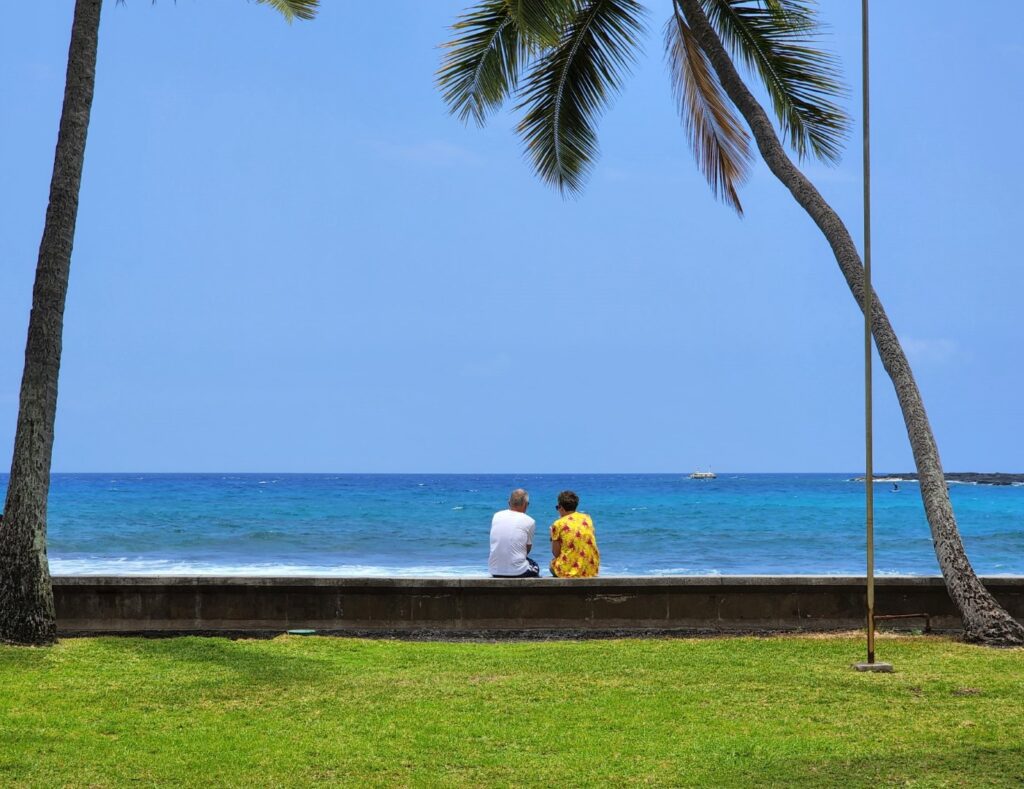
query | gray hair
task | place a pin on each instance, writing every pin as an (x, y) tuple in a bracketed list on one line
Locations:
[(518, 498)]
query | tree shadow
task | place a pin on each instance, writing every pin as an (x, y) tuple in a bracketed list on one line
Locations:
[(249, 661), (937, 764)]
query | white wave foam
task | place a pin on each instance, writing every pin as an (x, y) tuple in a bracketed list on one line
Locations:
[(124, 566), (147, 567), (883, 480)]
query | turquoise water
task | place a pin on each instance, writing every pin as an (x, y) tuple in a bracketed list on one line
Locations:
[(438, 525)]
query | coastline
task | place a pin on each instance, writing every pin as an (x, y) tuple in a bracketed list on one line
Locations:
[(963, 477)]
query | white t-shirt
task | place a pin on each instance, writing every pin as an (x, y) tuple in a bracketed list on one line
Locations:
[(511, 532)]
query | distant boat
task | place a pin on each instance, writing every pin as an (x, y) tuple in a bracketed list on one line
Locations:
[(703, 475)]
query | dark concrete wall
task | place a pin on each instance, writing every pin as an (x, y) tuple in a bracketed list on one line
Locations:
[(726, 603)]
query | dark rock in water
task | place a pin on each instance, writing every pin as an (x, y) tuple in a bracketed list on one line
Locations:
[(977, 478)]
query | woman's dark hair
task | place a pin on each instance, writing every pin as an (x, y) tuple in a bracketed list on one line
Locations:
[(568, 501)]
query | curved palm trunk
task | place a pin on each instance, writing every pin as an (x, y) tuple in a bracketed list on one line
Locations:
[(984, 619), (26, 592)]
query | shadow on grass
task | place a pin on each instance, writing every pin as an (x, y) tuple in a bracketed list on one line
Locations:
[(251, 662), (933, 764)]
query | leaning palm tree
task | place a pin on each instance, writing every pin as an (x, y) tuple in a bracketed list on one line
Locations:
[(26, 591), (563, 59)]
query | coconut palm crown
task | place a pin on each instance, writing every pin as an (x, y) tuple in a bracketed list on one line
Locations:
[(293, 9), (563, 60)]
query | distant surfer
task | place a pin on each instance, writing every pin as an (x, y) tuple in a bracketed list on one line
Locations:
[(895, 487)]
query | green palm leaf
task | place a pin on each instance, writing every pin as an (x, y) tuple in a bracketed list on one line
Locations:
[(720, 142), (482, 65), (775, 39), (572, 83), (541, 20), (293, 9)]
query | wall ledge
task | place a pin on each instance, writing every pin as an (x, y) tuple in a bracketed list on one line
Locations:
[(719, 603)]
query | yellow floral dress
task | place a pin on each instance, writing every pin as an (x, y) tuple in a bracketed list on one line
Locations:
[(579, 557)]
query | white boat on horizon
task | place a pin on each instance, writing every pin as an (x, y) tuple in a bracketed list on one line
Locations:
[(709, 474)]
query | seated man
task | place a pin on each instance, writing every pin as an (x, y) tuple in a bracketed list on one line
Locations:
[(512, 539), (573, 542)]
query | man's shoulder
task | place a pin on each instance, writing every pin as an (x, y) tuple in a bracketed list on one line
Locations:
[(512, 517)]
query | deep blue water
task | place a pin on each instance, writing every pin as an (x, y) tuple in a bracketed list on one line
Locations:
[(437, 525)]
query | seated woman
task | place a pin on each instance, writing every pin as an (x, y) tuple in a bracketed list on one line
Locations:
[(573, 542)]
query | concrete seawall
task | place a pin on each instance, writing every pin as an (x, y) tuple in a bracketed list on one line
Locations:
[(87, 604)]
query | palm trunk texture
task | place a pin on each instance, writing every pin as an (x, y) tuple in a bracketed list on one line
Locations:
[(26, 591), (984, 619)]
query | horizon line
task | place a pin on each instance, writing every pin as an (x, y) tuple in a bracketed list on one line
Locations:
[(510, 473)]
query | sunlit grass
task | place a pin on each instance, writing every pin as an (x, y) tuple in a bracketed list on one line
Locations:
[(722, 712)]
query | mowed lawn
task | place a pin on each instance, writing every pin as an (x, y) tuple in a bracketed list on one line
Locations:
[(669, 712)]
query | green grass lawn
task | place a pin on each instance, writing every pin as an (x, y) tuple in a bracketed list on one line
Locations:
[(717, 712)]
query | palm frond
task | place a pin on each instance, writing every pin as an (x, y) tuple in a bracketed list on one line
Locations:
[(541, 21), (572, 83), (482, 65), (721, 144), (776, 39), (293, 9)]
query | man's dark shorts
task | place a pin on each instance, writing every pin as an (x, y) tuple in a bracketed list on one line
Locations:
[(533, 572)]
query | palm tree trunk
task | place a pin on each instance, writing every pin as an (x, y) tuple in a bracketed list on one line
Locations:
[(26, 591), (984, 619)]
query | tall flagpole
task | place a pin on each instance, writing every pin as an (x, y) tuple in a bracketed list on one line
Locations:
[(869, 472), (869, 488)]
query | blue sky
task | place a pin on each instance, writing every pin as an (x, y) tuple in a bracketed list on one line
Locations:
[(289, 257)]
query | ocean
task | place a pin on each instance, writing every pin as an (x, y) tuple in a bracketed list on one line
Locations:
[(437, 525)]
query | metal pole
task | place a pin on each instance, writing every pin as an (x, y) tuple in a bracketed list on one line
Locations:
[(869, 491)]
